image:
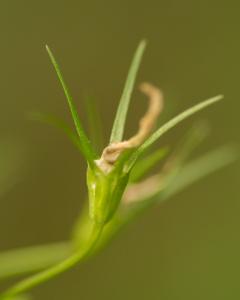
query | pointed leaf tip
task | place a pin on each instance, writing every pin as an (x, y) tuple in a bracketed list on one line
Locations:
[(120, 119), (86, 148)]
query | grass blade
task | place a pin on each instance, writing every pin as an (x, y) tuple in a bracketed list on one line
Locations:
[(170, 124), (120, 119), (86, 147)]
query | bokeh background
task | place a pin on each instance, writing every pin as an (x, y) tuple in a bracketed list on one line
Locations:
[(189, 247)]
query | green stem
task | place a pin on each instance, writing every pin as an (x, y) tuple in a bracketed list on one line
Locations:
[(32, 259), (51, 272)]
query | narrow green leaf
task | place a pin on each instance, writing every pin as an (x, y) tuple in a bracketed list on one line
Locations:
[(31, 259), (59, 124), (120, 119), (147, 163), (170, 124), (86, 147)]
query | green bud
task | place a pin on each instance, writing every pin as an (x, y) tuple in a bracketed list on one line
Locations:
[(105, 192)]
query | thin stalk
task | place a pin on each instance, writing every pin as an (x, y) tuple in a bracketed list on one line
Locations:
[(32, 259), (56, 270)]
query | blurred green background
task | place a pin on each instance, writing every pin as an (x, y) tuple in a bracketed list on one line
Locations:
[(189, 247)]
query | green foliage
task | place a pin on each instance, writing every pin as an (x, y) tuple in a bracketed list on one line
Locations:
[(111, 205), (86, 147), (120, 119)]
